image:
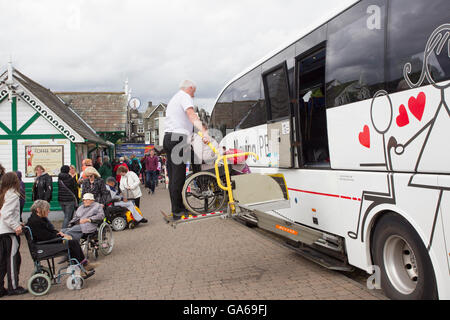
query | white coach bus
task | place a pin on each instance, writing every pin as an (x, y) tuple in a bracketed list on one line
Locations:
[(360, 107)]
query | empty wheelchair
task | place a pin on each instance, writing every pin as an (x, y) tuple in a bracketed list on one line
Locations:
[(42, 276), (101, 240)]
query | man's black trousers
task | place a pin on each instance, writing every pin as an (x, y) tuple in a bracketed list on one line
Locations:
[(178, 153)]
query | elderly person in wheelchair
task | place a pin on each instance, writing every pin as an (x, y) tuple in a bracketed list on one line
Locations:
[(86, 218), (43, 231), (118, 200)]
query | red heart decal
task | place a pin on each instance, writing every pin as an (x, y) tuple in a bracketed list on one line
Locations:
[(364, 137), (417, 105), (402, 119)]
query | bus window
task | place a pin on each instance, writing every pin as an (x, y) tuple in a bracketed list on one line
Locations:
[(410, 29), (355, 53), (287, 55), (312, 111), (222, 116), (277, 92), (248, 111), (311, 40)]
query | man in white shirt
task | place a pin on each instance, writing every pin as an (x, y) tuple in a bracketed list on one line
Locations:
[(179, 125)]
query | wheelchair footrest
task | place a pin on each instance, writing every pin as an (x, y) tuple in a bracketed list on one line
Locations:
[(88, 274)]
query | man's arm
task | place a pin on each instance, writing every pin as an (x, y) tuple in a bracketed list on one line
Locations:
[(100, 214), (198, 124)]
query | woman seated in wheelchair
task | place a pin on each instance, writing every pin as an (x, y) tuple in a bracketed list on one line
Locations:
[(85, 218), (118, 200), (43, 230)]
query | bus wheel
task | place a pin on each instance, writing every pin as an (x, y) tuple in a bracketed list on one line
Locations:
[(406, 269)]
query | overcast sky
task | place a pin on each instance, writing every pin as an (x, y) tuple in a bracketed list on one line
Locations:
[(94, 45)]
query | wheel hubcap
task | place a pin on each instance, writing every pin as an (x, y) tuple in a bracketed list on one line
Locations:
[(119, 224), (39, 285), (401, 264)]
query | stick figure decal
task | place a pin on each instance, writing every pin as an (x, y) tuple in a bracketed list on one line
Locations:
[(433, 156)]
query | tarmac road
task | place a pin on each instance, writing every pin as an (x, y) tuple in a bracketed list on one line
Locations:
[(216, 259)]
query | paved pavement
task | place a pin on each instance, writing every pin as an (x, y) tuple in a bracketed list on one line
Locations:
[(213, 259)]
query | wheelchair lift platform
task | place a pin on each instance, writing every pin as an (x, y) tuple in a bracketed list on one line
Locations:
[(191, 218), (249, 192)]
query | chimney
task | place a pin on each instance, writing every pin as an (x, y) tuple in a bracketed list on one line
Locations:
[(150, 104)]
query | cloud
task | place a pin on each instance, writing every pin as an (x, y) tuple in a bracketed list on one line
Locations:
[(81, 45)]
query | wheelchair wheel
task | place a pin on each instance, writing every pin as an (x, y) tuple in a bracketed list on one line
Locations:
[(131, 224), (39, 284), (118, 224), (73, 270), (105, 239), (75, 282), (201, 193)]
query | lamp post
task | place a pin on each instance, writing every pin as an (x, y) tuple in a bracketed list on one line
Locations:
[(133, 105), (128, 124)]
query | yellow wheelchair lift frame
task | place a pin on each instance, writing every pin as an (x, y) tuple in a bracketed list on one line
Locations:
[(232, 204)]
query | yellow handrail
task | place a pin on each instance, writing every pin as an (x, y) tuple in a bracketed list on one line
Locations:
[(225, 158)]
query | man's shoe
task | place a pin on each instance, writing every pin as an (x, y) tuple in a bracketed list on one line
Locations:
[(87, 274), (17, 291), (3, 292), (176, 217), (143, 220), (90, 266)]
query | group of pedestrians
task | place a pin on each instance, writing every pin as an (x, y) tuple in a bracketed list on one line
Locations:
[(148, 169), (83, 198)]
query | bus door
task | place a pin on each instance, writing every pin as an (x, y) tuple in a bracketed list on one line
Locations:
[(279, 115), (310, 110)]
